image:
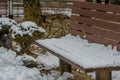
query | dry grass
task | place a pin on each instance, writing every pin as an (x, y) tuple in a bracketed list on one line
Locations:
[(19, 19), (81, 76)]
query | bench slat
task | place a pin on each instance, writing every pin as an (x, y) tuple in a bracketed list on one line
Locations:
[(95, 39), (102, 7), (97, 31), (96, 14), (98, 23)]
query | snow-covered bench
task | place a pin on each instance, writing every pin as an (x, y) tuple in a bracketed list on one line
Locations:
[(94, 23)]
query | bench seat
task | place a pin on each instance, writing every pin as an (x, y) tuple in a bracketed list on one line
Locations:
[(84, 54)]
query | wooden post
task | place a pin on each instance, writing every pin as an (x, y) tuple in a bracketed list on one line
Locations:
[(103, 75), (10, 9), (64, 67)]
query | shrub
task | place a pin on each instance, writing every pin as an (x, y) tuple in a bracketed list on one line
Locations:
[(56, 25), (26, 33), (5, 25)]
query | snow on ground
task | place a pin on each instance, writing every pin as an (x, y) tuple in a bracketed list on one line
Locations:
[(99, 55), (11, 68), (48, 60)]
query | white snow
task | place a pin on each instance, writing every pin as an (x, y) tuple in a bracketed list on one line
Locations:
[(11, 68), (25, 57), (87, 55), (7, 21), (16, 46), (65, 11), (48, 60), (26, 27)]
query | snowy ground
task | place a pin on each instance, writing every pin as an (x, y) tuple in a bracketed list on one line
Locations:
[(11, 67)]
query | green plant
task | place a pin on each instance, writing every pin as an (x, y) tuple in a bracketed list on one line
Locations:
[(25, 34), (56, 25), (4, 30)]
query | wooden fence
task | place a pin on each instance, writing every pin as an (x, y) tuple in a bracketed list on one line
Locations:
[(47, 7)]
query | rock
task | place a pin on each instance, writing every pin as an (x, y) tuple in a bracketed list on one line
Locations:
[(30, 64)]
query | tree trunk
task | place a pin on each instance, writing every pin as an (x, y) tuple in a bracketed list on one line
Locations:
[(32, 11)]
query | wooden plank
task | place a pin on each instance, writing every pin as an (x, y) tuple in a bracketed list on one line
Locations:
[(17, 5), (65, 67), (94, 39), (102, 7), (3, 4), (97, 31), (96, 14), (98, 23), (119, 48), (103, 68), (103, 75)]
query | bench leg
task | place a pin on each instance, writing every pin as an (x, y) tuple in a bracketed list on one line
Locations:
[(103, 75), (64, 67)]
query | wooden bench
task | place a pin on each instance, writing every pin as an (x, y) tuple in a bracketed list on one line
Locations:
[(98, 23)]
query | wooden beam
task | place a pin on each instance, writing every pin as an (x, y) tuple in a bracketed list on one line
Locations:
[(64, 67), (103, 75)]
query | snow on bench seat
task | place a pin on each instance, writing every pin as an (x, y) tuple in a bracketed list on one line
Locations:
[(79, 51)]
